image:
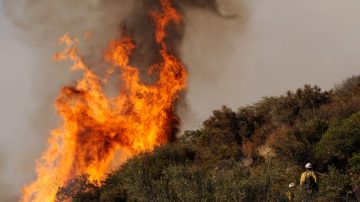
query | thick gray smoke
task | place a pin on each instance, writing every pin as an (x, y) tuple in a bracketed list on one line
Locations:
[(218, 13), (40, 23)]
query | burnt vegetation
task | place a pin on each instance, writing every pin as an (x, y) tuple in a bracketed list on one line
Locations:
[(251, 154)]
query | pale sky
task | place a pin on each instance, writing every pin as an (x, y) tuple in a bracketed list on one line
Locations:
[(286, 44)]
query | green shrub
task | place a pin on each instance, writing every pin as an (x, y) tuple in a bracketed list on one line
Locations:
[(137, 179), (354, 163), (340, 141), (190, 136), (312, 130), (267, 182), (232, 184), (333, 186), (181, 183), (354, 170)]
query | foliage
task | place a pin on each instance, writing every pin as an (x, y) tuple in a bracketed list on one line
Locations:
[(333, 186), (354, 162), (341, 140), (290, 148), (354, 167), (248, 155), (312, 130)]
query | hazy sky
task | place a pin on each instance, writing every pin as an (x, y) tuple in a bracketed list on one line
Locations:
[(285, 45)]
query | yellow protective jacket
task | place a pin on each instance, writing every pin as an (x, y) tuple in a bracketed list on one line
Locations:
[(305, 175)]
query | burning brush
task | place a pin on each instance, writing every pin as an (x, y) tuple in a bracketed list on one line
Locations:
[(95, 128)]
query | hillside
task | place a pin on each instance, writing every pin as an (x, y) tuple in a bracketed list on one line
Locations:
[(251, 154)]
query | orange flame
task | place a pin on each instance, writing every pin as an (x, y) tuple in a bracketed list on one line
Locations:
[(95, 127)]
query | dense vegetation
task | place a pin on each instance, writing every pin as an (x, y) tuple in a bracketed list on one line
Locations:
[(248, 155)]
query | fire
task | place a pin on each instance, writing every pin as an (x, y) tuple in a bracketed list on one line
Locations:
[(95, 127)]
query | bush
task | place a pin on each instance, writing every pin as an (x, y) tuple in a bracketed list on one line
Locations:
[(181, 183), (354, 163), (190, 136), (79, 189), (312, 130), (308, 98), (223, 125), (340, 141), (333, 186), (354, 168), (267, 182), (287, 146), (349, 87), (232, 184), (137, 179)]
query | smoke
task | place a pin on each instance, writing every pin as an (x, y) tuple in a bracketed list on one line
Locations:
[(224, 18), (41, 23), (7, 192)]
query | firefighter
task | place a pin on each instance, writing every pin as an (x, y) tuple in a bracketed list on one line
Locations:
[(308, 183), (290, 194)]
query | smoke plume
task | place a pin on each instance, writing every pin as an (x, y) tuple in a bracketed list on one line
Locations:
[(41, 23)]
